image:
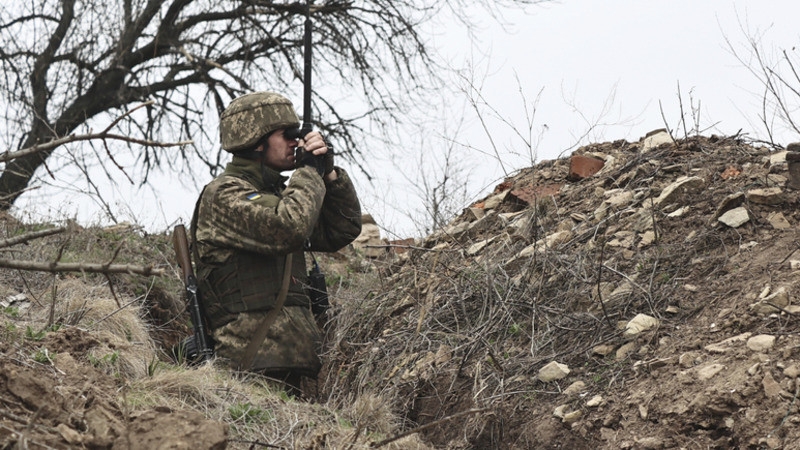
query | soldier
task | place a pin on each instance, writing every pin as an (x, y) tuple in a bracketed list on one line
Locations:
[(251, 223)]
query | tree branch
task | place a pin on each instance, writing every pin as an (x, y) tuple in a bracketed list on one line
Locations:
[(54, 267)]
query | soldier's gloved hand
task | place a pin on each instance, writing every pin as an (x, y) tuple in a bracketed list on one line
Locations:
[(303, 157), (327, 159), (317, 154)]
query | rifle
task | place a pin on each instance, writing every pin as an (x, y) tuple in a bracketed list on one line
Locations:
[(197, 346)]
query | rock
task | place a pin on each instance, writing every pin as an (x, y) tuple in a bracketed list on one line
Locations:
[(771, 303), (575, 388), (369, 242), (735, 217), (595, 401), (681, 187), (778, 221), (727, 344), (553, 240), (771, 387), (679, 212), (687, 360), (619, 198), (651, 443), (553, 371), (603, 350), (581, 167), (70, 435), (761, 343), (648, 237), (777, 158), (768, 196), (730, 202), (572, 417), (709, 371), (654, 139), (475, 248), (792, 371), (625, 350), (640, 323), (495, 200)]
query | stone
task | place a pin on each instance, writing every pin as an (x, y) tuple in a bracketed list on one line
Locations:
[(625, 350), (603, 350), (648, 237), (595, 401), (709, 371), (680, 212), (369, 242), (730, 202), (772, 303), (581, 167), (681, 187), (553, 240), (575, 388), (475, 248), (620, 198), (727, 344), (771, 387), (655, 139), (777, 158), (572, 417), (778, 221), (767, 196), (761, 343), (640, 323), (553, 371), (792, 371), (735, 217), (687, 360), (495, 200)]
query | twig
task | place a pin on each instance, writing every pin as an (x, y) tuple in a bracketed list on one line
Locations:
[(51, 320), (427, 425), (30, 236), (81, 267), (599, 290), (111, 288)]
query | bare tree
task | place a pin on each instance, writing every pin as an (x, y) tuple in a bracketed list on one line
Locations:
[(778, 71), (68, 64)]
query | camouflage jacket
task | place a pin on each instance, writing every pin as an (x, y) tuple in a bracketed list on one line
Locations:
[(246, 221), (249, 208)]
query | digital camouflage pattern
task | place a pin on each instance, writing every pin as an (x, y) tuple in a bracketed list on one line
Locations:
[(250, 210), (252, 116), (292, 344)]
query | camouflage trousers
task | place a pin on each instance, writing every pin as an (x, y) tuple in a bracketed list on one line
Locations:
[(292, 344)]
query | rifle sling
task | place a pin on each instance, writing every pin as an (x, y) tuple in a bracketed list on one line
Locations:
[(269, 319)]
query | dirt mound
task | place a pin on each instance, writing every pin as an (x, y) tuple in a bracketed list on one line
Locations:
[(648, 305)]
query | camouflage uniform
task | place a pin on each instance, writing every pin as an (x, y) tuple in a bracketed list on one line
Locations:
[(246, 221)]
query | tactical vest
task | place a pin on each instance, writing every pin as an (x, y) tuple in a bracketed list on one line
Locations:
[(248, 282)]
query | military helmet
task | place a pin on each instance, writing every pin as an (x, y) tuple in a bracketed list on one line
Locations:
[(252, 116)]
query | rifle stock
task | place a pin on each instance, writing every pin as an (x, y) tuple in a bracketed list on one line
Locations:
[(201, 340)]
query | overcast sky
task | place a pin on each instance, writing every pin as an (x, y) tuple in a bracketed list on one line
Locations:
[(592, 70)]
